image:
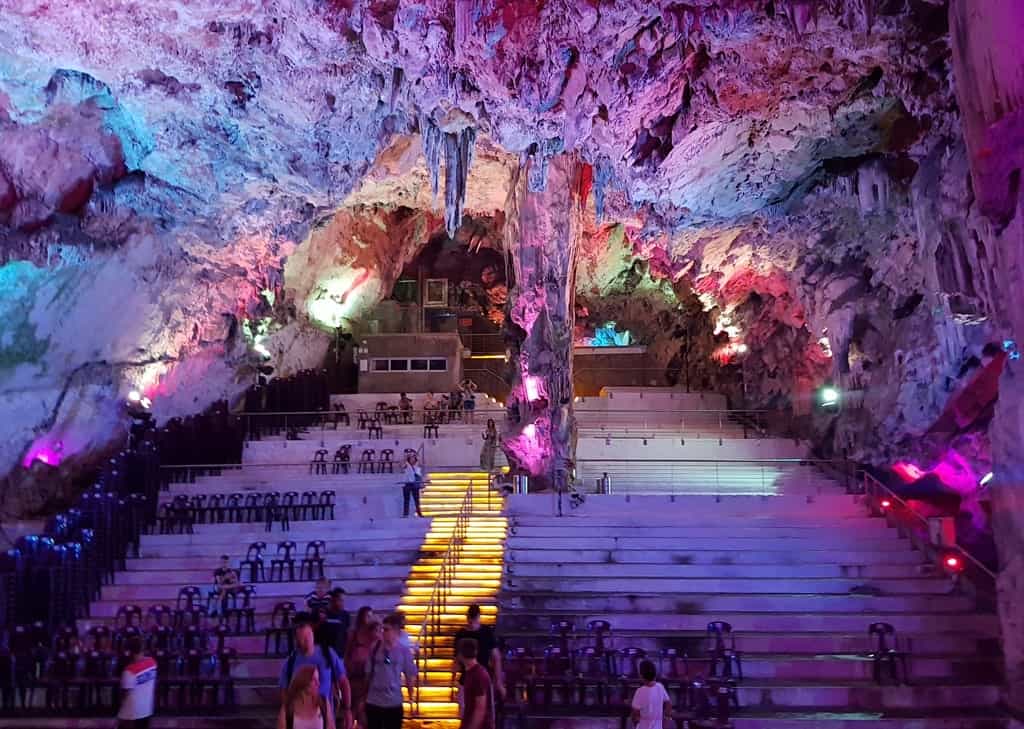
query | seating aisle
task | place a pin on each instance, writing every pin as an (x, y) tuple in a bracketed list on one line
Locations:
[(798, 577)]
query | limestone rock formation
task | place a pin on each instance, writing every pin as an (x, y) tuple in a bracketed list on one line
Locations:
[(187, 188)]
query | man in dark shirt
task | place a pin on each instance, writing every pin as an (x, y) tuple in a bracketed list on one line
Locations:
[(334, 623), (477, 692), (486, 642)]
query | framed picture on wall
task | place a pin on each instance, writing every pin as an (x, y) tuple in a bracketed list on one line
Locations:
[(435, 292)]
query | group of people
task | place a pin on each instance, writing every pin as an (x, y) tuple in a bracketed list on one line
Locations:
[(344, 676), (460, 403)]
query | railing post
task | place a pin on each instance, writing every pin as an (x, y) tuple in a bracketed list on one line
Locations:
[(285, 431)]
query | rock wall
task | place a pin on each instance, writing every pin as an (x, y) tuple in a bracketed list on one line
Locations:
[(990, 88)]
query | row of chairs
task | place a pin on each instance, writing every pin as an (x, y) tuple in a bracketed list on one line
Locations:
[(311, 565), (369, 461), (182, 513)]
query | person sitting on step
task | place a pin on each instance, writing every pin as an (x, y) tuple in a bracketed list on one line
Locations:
[(318, 601), (226, 581)]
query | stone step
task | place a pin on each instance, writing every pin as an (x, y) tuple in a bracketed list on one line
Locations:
[(822, 540), (673, 586), (859, 528), (177, 569), (211, 550), (385, 601), (280, 591), (917, 644), (580, 571), (981, 718), (628, 554), (347, 558), (841, 622), (716, 602)]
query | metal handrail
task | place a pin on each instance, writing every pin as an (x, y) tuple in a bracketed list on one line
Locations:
[(872, 487), (442, 589)]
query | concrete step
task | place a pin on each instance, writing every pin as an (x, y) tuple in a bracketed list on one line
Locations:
[(210, 550), (168, 592), (630, 554), (139, 570), (823, 540), (673, 586), (961, 643), (841, 622), (264, 605), (559, 571), (981, 718), (716, 602), (859, 528)]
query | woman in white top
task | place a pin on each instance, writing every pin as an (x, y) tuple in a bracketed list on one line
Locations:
[(412, 484), (304, 707)]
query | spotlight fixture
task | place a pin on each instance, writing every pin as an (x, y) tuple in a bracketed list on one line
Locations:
[(829, 397), (953, 564)]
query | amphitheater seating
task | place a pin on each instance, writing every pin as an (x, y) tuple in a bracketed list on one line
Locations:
[(754, 606)]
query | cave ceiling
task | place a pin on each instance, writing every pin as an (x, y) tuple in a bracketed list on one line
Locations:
[(227, 161)]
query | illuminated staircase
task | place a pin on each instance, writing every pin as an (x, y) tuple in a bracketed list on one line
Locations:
[(475, 578)]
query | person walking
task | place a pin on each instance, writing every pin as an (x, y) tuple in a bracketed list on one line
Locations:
[(331, 671), (360, 642), (490, 447), (477, 691), (138, 681), (332, 630), (304, 707), (651, 705), (390, 662), (412, 485)]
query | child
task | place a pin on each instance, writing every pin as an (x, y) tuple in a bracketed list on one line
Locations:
[(650, 702)]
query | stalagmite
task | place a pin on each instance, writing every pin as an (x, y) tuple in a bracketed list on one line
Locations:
[(543, 233)]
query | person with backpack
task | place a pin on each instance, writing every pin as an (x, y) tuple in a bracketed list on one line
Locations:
[(331, 671), (304, 707), (390, 661)]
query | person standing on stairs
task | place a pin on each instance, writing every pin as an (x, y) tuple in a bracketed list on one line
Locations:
[(390, 661), (477, 690), (412, 484), (489, 448)]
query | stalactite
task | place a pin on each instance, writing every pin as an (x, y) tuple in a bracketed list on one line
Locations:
[(537, 174), (433, 142), (602, 176), (458, 153), (458, 148)]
